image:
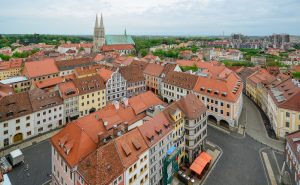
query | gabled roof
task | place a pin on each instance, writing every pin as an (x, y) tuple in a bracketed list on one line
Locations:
[(89, 84), (190, 105), (118, 39), (179, 79), (68, 90), (13, 106), (102, 166), (132, 73), (154, 69), (117, 47), (144, 101), (49, 82), (82, 140), (130, 146), (155, 129), (41, 99), (72, 63), (40, 68)]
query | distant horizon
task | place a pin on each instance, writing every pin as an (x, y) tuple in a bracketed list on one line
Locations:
[(91, 35), (155, 17)]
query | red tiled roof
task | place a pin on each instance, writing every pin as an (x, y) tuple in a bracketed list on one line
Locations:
[(10, 64), (105, 74), (40, 68), (114, 47), (153, 69), (150, 130), (144, 101), (49, 82), (68, 90), (104, 163), (130, 146)]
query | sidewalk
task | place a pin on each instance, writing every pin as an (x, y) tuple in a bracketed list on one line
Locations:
[(255, 126), (29, 142), (215, 152)]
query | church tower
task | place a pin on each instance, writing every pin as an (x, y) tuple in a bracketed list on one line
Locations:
[(99, 34)]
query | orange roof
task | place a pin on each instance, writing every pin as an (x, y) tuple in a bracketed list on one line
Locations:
[(105, 74), (68, 90), (130, 146), (117, 47), (144, 101), (81, 136), (49, 82), (153, 69), (220, 88), (261, 76), (99, 57), (155, 129), (200, 162), (40, 68), (10, 64)]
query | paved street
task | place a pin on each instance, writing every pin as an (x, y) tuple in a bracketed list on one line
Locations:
[(38, 158), (240, 162), (255, 127)]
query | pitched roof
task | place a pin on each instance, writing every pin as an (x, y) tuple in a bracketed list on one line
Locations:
[(49, 82), (115, 47), (155, 129), (13, 106), (40, 68), (102, 166), (68, 90), (179, 79), (72, 63), (118, 39), (89, 84), (286, 94), (293, 139), (144, 101), (10, 64), (81, 139), (132, 73), (190, 105), (130, 146), (153, 69), (105, 74), (41, 99), (228, 89), (262, 76)]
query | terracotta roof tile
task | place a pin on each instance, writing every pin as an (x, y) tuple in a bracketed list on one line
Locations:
[(40, 68), (154, 69)]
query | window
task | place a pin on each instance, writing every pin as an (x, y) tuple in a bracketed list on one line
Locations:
[(29, 133), (18, 128), (40, 129), (287, 124), (6, 142), (38, 115), (28, 118), (5, 132), (27, 124), (228, 105), (18, 121), (227, 114), (287, 114), (5, 124), (222, 103)]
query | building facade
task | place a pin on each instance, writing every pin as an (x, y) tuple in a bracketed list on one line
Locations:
[(116, 87)]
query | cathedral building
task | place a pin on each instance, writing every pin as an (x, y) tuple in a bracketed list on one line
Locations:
[(123, 44)]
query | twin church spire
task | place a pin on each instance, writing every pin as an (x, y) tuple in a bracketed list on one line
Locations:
[(99, 34)]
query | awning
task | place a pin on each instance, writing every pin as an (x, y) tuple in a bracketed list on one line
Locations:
[(200, 162)]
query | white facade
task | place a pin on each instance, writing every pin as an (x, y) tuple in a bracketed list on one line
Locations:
[(116, 87), (48, 119), (71, 107), (16, 130), (138, 173)]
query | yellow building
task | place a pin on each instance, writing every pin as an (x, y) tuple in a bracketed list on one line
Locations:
[(10, 69), (92, 94), (284, 107)]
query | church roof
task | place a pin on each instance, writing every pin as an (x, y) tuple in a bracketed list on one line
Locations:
[(118, 39)]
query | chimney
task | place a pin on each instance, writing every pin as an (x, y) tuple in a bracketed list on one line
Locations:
[(125, 101), (101, 139), (116, 104), (115, 131), (126, 126)]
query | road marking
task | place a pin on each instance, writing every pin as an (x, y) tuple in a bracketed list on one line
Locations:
[(269, 168)]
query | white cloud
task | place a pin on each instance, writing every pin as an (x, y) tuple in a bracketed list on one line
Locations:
[(151, 16)]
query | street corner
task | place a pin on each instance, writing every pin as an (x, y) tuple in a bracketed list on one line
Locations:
[(188, 176), (274, 166)]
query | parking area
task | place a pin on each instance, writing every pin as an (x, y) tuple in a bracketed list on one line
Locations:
[(37, 167)]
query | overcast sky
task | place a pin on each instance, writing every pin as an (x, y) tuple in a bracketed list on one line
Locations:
[(151, 17)]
